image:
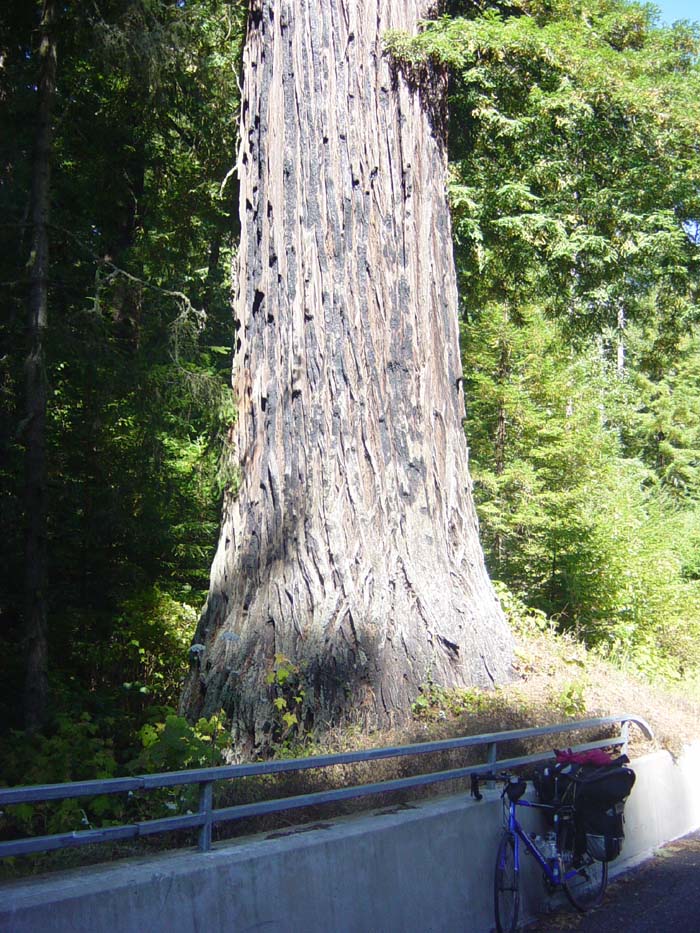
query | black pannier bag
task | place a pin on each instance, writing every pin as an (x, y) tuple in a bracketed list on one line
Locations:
[(598, 795), (603, 831), (549, 782)]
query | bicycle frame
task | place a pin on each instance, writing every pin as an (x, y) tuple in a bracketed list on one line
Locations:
[(550, 867)]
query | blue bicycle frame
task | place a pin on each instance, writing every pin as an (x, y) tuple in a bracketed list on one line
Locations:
[(551, 867)]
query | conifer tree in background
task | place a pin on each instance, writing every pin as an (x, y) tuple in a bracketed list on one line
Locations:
[(36, 689), (575, 181), (351, 546), (133, 352)]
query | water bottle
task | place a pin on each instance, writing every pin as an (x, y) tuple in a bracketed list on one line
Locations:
[(549, 846)]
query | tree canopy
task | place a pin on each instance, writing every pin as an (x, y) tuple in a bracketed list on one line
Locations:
[(575, 187)]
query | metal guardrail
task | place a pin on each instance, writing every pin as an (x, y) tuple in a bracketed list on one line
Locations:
[(207, 816)]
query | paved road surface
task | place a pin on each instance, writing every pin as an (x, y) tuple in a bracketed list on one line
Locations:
[(662, 895)]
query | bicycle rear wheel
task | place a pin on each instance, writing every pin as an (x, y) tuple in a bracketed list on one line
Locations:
[(506, 889), (586, 888)]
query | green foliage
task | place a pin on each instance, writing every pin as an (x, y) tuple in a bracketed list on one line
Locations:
[(657, 408), (437, 703), (80, 750), (175, 745), (573, 193), (140, 658), (143, 233), (572, 700), (286, 681), (521, 617), (580, 530), (76, 751), (572, 174)]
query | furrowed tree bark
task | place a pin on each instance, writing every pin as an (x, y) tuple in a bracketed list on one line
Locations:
[(351, 546), (36, 693)]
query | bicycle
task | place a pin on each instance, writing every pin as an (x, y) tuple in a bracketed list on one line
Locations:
[(564, 863)]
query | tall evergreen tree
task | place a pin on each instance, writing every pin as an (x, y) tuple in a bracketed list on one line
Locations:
[(36, 694)]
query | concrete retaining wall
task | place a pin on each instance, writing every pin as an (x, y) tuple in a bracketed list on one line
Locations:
[(427, 868)]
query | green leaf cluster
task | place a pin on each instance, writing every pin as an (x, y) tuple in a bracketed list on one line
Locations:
[(80, 750), (287, 686)]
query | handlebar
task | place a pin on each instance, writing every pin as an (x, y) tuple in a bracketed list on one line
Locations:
[(514, 789)]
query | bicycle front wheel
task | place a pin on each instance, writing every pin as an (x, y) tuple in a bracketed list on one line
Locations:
[(506, 888), (586, 888)]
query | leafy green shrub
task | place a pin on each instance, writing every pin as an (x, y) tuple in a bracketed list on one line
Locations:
[(287, 684), (521, 617), (148, 645), (76, 751), (435, 702), (572, 699), (175, 745)]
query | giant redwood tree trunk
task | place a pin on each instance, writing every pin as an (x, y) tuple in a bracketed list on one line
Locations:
[(351, 547)]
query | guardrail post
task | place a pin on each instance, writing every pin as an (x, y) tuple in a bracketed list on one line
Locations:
[(492, 758), (625, 736), (206, 800)]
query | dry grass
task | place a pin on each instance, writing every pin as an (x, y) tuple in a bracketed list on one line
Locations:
[(555, 672), (556, 679)]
